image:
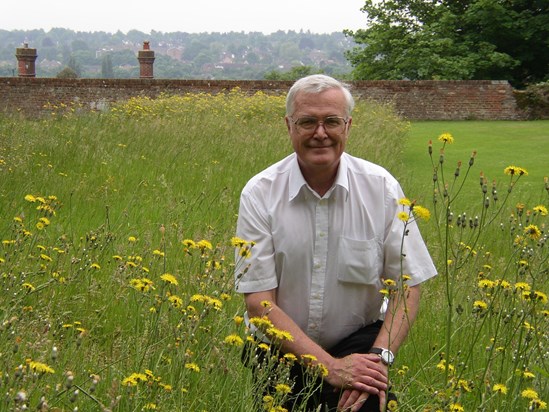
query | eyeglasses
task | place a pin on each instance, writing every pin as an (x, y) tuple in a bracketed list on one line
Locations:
[(330, 123)]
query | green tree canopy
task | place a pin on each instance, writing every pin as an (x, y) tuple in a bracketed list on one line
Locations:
[(453, 40)]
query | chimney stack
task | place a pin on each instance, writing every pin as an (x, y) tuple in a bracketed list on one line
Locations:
[(146, 60), (26, 59)]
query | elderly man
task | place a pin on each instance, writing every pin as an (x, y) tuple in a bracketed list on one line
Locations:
[(327, 237)]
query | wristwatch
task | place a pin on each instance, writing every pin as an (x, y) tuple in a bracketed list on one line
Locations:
[(387, 357)]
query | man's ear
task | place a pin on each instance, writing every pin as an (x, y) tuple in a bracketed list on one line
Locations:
[(288, 125)]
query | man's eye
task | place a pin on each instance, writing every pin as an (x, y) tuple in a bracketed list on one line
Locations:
[(307, 122), (332, 121)]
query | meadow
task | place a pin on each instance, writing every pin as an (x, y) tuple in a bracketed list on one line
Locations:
[(117, 260)]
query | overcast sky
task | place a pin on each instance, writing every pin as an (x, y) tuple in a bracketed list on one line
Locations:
[(192, 16)]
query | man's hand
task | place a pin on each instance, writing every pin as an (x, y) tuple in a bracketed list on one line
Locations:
[(359, 375)]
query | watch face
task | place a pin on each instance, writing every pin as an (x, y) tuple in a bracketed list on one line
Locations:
[(387, 357)]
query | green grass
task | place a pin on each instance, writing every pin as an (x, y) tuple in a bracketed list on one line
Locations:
[(498, 144), (143, 191)]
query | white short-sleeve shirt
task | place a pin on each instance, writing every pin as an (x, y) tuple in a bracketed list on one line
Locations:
[(327, 256)]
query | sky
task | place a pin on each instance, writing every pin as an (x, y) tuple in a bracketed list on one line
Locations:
[(191, 16)]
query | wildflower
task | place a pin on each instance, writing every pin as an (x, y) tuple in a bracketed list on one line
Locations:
[(406, 277), (290, 357), (456, 407), (30, 198), (486, 284), (117, 257), (514, 170), (500, 388), (266, 303), (528, 375), (45, 257), (28, 286), (404, 216), (389, 282), (533, 232), (176, 301), (541, 210), (192, 367), (443, 366), (204, 244), (166, 387), (446, 138), (537, 404), (261, 323), (480, 306), (234, 340), (169, 278), (283, 388), (159, 253), (238, 320), (540, 296), (237, 242), (463, 384), (522, 286), (404, 202), (280, 334), (40, 367), (189, 243), (132, 239), (44, 220), (392, 405), (422, 212), (308, 358), (529, 394), (95, 266)]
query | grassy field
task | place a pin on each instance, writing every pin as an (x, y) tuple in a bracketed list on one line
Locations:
[(117, 267)]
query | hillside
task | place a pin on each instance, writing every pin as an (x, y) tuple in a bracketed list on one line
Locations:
[(179, 55)]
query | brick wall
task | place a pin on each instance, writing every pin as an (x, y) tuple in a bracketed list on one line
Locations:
[(414, 100)]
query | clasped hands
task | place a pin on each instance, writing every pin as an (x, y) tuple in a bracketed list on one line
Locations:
[(359, 375)]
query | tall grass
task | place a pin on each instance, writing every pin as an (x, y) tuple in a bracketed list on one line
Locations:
[(117, 261)]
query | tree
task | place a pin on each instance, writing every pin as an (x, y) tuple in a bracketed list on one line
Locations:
[(453, 39)]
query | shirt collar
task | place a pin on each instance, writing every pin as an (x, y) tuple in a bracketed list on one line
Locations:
[(297, 181)]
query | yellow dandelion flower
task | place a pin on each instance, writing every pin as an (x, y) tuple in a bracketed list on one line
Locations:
[(176, 301), (404, 201), (238, 242), (280, 334), (529, 394), (522, 286), (40, 367), (308, 358), (150, 406), (234, 340), (537, 404), (266, 303), (532, 231), (422, 212), (515, 170), (132, 239), (464, 385), (264, 346), (392, 405), (45, 257), (169, 278), (403, 216), (539, 296), (261, 323), (446, 138), (528, 375), (238, 320), (192, 367), (283, 388), (157, 252), (486, 284), (28, 286), (541, 210), (189, 243), (290, 357), (479, 305), (30, 198), (95, 266), (500, 388), (443, 367), (204, 244), (456, 407)]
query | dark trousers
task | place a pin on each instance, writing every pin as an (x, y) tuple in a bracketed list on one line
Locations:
[(324, 394)]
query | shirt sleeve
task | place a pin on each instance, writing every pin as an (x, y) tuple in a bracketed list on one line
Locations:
[(257, 273), (405, 249)]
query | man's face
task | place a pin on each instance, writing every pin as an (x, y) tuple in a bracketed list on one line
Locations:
[(319, 145)]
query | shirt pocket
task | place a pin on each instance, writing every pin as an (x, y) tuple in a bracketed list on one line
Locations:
[(359, 261)]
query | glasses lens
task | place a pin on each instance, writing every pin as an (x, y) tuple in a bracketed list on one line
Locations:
[(329, 123)]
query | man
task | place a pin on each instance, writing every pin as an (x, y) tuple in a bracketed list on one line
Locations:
[(326, 236)]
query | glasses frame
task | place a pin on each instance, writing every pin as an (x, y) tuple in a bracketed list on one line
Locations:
[(318, 122)]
